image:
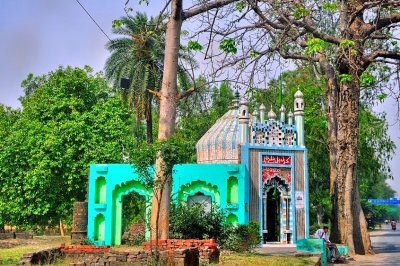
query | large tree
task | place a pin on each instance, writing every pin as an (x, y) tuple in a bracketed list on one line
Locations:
[(70, 119), (348, 41)]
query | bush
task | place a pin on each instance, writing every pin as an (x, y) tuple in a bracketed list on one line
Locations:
[(244, 237), (193, 222)]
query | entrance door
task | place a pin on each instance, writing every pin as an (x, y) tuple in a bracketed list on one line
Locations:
[(271, 216)]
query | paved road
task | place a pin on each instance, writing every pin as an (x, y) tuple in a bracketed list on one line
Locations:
[(386, 244)]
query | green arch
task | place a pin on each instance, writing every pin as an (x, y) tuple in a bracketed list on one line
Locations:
[(233, 190), (101, 188), (232, 219), (99, 227), (194, 187), (118, 193)]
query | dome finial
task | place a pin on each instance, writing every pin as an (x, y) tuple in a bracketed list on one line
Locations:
[(271, 114)]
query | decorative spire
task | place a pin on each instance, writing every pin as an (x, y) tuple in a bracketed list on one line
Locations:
[(298, 103), (271, 114), (244, 115), (235, 102), (282, 110), (290, 118), (255, 116), (262, 113)]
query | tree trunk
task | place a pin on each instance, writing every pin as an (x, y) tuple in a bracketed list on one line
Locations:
[(168, 105), (348, 221), (149, 119), (61, 228)]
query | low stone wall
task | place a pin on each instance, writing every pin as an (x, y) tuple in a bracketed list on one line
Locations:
[(104, 256), (45, 256), (14, 235), (179, 257), (208, 249)]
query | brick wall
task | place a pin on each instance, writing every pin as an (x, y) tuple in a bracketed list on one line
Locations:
[(79, 222), (208, 249)]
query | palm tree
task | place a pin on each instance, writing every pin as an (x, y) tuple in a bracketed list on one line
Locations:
[(137, 55)]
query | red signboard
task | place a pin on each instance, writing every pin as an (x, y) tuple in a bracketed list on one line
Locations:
[(276, 159), (270, 172)]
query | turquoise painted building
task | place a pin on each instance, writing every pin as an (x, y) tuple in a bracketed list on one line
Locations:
[(252, 167)]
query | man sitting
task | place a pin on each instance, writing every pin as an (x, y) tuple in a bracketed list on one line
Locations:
[(331, 249)]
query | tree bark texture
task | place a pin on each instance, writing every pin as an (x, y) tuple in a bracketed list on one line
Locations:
[(149, 118), (168, 105), (348, 221)]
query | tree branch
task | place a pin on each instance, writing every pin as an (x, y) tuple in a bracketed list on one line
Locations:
[(381, 23), (206, 7), (383, 54), (155, 93), (185, 93)]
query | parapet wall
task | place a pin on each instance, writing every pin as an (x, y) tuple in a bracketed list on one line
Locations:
[(84, 255), (208, 249)]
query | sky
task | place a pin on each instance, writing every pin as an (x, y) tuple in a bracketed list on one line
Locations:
[(38, 36)]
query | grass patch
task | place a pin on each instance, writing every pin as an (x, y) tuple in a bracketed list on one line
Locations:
[(13, 249), (239, 259)]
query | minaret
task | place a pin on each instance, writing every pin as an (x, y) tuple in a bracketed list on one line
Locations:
[(235, 102), (290, 118), (271, 115), (244, 118), (299, 117), (255, 116), (262, 113), (282, 110)]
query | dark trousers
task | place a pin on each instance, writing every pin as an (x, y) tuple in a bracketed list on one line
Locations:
[(332, 252)]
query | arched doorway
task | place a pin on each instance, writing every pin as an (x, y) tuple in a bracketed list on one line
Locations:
[(133, 219), (274, 191), (272, 216), (119, 193)]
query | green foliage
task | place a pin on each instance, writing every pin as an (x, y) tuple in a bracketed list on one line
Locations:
[(367, 79), (117, 23), (301, 12), (346, 43), (173, 151), (254, 54), (71, 119), (228, 46), (196, 114), (195, 46), (330, 6), (315, 45), (345, 78), (244, 237), (138, 54), (377, 214), (240, 6), (381, 97), (193, 222)]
